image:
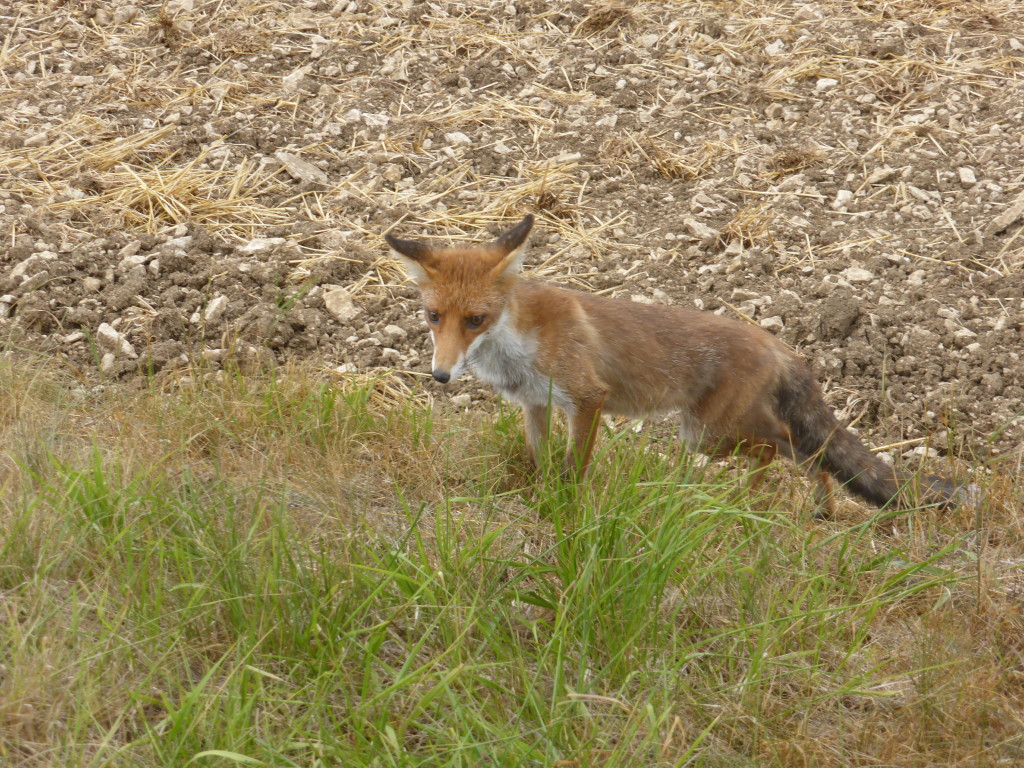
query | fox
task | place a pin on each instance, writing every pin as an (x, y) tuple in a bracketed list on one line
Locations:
[(737, 390)]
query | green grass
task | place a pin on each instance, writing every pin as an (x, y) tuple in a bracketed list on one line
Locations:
[(278, 571)]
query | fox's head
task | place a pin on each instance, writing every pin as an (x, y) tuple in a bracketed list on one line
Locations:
[(465, 291)]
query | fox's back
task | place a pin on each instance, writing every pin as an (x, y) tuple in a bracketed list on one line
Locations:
[(654, 358)]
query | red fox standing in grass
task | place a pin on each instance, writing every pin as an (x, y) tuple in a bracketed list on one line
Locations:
[(735, 386)]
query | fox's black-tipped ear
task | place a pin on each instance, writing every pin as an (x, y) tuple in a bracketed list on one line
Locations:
[(411, 249), (516, 236), (413, 255), (512, 247)]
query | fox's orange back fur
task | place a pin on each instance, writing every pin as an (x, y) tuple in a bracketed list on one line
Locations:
[(735, 387)]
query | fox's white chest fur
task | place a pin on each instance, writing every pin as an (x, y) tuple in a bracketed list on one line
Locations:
[(506, 359)]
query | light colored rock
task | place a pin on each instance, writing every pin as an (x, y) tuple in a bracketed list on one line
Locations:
[(130, 250), (924, 195), (112, 340), (29, 266), (461, 400), (128, 263), (261, 244), (340, 305), (371, 120), (22, 268), (743, 294), (843, 198), (395, 332), (881, 175), (825, 83), (457, 137), (37, 140), (857, 275), (698, 229), (967, 177), (773, 323), (125, 13), (215, 309), (300, 169), (292, 81), (1007, 217), (964, 336)]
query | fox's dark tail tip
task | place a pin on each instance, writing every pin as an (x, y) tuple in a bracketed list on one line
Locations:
[(945, 494), (969, 495)]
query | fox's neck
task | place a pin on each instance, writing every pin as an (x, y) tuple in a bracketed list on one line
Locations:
[(501, 356)]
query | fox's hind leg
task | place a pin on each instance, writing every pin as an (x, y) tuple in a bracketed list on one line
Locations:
[(823, 493), (770, 437), (824, 497), (694, 437), (762, 455)]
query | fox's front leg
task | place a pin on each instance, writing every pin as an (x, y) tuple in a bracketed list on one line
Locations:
[(583, 422), (538, 421)]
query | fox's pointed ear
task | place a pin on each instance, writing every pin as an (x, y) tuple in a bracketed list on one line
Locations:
[(512, 246), (414, 257)]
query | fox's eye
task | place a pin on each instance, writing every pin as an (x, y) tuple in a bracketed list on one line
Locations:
[(433, 316), (475, 321)]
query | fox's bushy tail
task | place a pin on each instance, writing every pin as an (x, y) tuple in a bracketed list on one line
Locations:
[(824, 443)]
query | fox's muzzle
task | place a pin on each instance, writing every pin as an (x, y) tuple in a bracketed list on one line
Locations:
[(449, 360)]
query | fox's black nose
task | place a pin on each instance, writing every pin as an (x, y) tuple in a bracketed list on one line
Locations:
[(440, 375)]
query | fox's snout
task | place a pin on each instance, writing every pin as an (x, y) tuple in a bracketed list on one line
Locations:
[(449, 360)]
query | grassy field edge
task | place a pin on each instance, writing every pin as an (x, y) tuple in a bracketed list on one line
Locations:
[(289, 569)]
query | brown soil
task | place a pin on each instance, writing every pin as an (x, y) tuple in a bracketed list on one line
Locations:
[(197, 180)]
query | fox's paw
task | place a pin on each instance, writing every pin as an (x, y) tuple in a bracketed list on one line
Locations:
[(570, 472)]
